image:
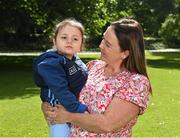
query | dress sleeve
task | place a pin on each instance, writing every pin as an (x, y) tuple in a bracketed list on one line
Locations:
[(55, 77), (136, 91)]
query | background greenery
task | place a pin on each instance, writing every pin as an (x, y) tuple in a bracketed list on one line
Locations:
[(20, 103), (28, 24)]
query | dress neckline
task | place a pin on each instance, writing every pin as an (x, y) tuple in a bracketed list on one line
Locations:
[(114, 75)]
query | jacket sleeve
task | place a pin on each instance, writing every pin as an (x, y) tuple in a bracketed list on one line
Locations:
[(55, 77)]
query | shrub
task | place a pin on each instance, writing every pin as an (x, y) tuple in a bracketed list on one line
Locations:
[(170, 29)]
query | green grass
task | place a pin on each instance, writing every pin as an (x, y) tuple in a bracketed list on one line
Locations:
[(20, 105), (162, 118), (20, 114)]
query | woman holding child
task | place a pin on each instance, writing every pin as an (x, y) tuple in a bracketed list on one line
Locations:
[(117, 90)]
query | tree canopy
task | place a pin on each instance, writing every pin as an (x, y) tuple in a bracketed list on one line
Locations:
[(29, 21)]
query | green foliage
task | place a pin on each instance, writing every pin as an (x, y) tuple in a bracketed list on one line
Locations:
[(150, 13), (19, 26), (154, 43), (170, 29), (28, 24)]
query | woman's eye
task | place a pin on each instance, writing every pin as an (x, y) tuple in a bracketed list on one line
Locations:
[(105, 42), (108, 45)]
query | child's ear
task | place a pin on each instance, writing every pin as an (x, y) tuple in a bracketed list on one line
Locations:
[(54, 43), (81, 48), (82, 45)]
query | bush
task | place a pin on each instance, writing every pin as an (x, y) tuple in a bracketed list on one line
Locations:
[(92, 43), (15, 42), (152, 43), (170, 31)]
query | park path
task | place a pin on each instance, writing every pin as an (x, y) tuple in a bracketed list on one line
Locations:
[(38, 53)]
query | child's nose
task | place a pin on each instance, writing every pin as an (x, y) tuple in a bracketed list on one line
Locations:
[(69, 40)]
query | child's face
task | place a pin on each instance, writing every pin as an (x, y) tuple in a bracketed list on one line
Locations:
[(68, 41)]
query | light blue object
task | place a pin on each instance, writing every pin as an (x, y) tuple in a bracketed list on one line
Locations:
[(59, 131)]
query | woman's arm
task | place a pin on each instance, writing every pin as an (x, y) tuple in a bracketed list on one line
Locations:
[(117, 115)]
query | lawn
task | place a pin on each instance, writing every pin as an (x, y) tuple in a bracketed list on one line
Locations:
[(162, 118), (20, 104)]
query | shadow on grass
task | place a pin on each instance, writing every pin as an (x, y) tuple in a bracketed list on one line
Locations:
[(16, 61), (162, 63), (16, 77), (24, 61), (169, 60), (167, 55), (16, 82), (16, 73)]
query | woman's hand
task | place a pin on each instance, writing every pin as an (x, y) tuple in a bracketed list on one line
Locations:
[(60, 115), (48, 111), (44, 106), (54, 115)]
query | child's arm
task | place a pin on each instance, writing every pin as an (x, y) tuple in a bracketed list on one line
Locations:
[(55, 77)]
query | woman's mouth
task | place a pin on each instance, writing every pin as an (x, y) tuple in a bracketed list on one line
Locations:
[(102, 53)]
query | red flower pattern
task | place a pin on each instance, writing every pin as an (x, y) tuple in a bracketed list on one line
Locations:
[(100, 90)]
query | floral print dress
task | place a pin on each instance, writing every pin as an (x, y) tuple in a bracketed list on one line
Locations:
[(100, 90)]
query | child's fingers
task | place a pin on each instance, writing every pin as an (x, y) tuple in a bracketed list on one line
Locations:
[(50, 114)]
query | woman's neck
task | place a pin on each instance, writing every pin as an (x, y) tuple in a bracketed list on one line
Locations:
[(111, 70)]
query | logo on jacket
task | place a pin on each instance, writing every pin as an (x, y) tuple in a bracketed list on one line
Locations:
[(72, 70)]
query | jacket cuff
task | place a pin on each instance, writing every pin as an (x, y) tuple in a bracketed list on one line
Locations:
[(82, 108)]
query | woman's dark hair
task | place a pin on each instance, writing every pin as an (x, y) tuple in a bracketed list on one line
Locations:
[(130, 36)]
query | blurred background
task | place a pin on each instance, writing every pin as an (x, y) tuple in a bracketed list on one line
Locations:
[(25, 31), (26, 25)]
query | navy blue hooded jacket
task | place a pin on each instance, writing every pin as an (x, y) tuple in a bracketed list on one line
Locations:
[(60, 79)]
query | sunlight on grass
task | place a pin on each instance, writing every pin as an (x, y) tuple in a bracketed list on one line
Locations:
[(21, 114), (22, 118), (20, 110), (162, 117)]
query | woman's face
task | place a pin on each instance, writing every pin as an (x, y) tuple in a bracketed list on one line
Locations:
[(110, 49)]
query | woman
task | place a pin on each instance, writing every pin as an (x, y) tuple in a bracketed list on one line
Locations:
[(117, 90)]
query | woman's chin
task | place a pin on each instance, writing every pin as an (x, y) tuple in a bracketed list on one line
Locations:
[(102, 58)]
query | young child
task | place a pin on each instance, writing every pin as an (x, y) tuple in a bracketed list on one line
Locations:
[(61, 74)]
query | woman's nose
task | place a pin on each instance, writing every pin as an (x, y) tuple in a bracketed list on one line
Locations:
[(101, 45)]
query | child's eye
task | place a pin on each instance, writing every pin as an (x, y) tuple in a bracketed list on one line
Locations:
[(75, 39), (63, 37)]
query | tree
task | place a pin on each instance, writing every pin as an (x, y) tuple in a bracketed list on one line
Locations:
[(150, 13), (170, 29), (32, 21), (18, 25)]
